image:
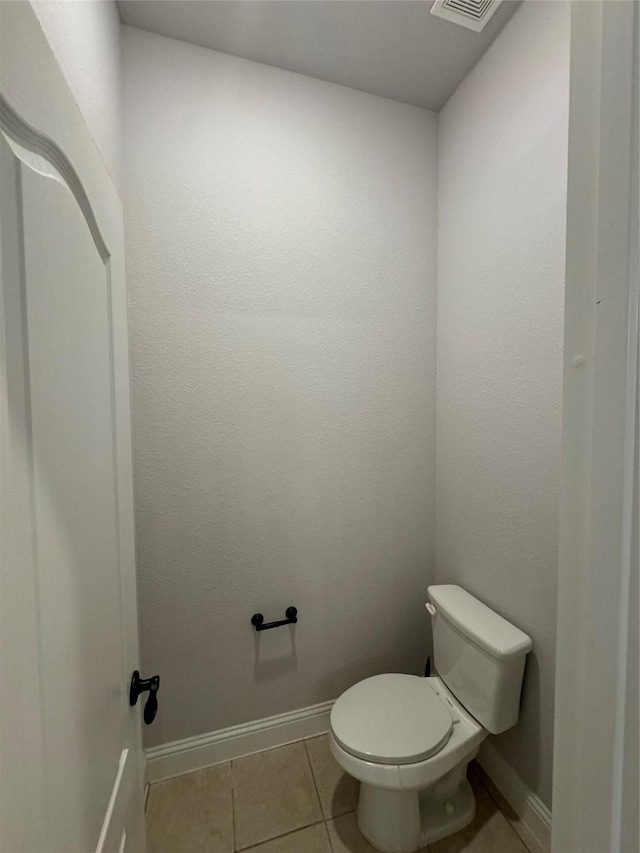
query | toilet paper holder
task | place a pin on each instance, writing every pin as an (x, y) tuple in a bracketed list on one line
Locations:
[(257, 620)]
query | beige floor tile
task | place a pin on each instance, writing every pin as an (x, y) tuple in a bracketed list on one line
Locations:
[(311, 839), (346, 837), (523, 831), (191, 813), (273, 794), (489, 832), (337, 790)]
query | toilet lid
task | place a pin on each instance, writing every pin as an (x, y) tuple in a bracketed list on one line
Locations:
[(391, 719)]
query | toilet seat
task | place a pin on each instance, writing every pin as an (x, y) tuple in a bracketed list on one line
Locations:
[(391, 719)]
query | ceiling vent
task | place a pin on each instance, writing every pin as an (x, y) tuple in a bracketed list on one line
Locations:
[(473, 14)]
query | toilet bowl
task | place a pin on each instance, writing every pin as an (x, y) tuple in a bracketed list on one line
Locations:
[(408, 744), (408, 740)]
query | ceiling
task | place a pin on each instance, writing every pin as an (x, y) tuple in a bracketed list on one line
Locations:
[(393, 48)]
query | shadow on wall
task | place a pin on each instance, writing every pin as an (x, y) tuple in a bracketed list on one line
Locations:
[(276, 656), (514, 740), (357, 670), (275, 652), (270, 666)]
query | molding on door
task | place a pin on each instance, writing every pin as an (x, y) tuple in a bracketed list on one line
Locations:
[(22, 133), (184, 756), (534, 818), (115, 817)]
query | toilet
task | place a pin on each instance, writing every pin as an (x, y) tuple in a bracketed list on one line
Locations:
[(409, 739)]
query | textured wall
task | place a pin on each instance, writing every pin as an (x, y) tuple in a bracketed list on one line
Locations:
[(85, 38), (502, 199), (281, 264)]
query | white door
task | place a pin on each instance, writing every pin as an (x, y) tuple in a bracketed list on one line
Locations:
[(70, 753)]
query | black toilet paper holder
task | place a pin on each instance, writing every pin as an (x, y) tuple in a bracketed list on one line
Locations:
[(257, 620)]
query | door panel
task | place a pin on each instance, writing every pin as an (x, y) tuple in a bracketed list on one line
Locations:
[(70, 380), (69, 742)]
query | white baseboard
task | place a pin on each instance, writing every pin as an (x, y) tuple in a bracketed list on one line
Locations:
[(533, 821), (184, 756)]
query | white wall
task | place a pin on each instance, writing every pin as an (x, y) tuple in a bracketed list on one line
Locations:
[(502, 205), (282, 272), (84, 36)]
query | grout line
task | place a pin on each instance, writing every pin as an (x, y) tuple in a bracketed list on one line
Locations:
[(289, 831), (284, 835), (315, 783), (233, 805), (328, 834)]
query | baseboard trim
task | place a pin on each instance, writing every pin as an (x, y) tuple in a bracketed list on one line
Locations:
[(532, 819), (184, 756)]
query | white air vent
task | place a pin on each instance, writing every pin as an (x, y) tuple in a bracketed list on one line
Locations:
[(472, 14)]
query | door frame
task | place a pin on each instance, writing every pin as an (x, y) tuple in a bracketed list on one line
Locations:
[(596, 677), (38, 110)]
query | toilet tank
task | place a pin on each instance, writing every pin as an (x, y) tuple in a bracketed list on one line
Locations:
[(479, 655)]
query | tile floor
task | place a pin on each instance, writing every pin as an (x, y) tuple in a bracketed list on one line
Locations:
[(293, 799)]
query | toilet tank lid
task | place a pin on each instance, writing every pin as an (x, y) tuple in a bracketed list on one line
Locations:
[(479, 622)]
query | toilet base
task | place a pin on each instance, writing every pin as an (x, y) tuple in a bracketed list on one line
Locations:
[(442, 818), (397, 821)]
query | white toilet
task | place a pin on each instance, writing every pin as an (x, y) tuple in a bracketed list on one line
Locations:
[(409, 739)]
